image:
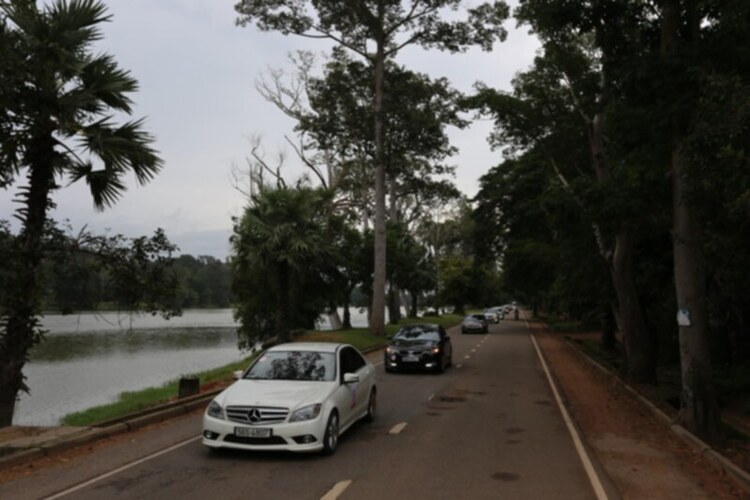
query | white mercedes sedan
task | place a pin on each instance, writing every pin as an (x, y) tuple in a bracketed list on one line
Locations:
[(297, 397)]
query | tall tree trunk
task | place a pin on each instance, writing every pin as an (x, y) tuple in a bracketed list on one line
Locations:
[(347, 323), (414, 303), (394, 296), (640, 350), (394, 308), (609, 340), (23, 304), (284, 307), (700, 413), (377, 320), (640, 346), (699, 409)]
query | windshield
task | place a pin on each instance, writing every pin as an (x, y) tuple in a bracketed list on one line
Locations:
[(294, 365), (417, 334)]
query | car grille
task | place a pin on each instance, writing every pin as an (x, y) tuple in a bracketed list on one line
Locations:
[(256, 415), (409, 352), (269, 441)]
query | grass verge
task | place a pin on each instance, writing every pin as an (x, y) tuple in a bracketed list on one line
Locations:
[(133, 401)]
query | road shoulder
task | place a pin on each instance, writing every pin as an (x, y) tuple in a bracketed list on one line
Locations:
[(640, 455)]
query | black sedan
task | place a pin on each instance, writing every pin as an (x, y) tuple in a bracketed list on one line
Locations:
[(474, 323), (423, 346)]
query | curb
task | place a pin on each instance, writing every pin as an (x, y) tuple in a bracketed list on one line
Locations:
[(109, 428), (723, 465)]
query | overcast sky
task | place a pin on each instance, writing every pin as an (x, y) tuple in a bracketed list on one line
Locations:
[(196, 71)]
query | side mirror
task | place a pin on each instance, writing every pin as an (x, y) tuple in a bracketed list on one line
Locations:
[(351, 378), (237, 375)]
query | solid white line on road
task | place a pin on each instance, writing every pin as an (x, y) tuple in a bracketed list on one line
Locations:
[(337, 490), (120, 469), (396, 429), (585, 460)]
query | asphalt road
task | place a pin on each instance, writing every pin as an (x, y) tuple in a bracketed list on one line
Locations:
[(489, 427)]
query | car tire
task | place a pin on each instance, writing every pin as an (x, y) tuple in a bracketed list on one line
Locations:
[(331, 436), (372, 406), (441, 366)]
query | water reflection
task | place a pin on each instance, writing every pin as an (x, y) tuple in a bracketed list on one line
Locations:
[(79, 346), (89, 359)]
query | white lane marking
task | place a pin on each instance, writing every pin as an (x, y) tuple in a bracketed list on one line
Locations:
[(459, 365), (120, 469), (430, 398), (396, 429), (473, 350), (337, 490), (467, 357), (585, 460)]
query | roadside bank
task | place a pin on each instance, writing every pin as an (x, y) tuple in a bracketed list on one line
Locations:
[(638, 449)]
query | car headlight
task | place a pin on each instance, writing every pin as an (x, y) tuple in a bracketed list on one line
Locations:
[(215, 410), (436, 349), (390, 350), (306, 413)]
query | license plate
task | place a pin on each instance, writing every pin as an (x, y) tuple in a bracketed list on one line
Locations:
[(252, 432), (411, 358)]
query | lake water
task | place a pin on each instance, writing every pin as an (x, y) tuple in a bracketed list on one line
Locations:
[(88, 359)]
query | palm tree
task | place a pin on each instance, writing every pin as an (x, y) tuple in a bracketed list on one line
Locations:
[(281, 263), (58, 126)]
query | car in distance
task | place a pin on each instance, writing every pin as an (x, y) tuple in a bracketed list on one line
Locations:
[(297, 397), (474, 323), (492, 316), (500, 312), (421, 346)]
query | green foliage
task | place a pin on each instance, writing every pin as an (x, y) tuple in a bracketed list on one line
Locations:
[(204, 282), (416, 112), (352, 23), (282, 249), (457, 282), (65, 95), (58, 99)]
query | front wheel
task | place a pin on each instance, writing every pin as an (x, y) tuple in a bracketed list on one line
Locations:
[(331, 437), (441, 366), (372, 406)]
